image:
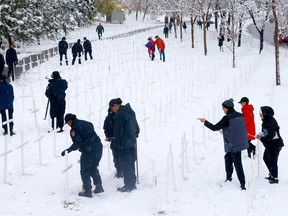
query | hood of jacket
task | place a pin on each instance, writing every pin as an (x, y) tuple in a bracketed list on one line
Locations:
[(248, 107), (267, 112)]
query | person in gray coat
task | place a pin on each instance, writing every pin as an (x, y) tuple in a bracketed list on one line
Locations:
[(235, 139)]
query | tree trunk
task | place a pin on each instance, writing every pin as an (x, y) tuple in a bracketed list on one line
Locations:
[(276, 43), (192, 30), (261, 40), (216, 20), (204, 35), (240, 34), (175, 27), (181, 29)]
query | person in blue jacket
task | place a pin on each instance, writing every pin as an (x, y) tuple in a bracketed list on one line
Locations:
[(272, 141), (89, 144), (77, 50), (109, 134), (55, 92), (6, 103), (235, 139), (126, 131)]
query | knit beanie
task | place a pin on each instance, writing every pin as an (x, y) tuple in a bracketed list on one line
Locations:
[(228, 104)]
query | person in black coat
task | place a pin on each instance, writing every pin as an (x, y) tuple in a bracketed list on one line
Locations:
[(220, 41), (109, 134), (55, 92), (77, 49), (87, 48), (6, 103), (63, 46), (272, 141), (89, 144), (235, 139), (126, 131), (184, 26), (2, 64), (166, 31), (100, 31), (11, 60)]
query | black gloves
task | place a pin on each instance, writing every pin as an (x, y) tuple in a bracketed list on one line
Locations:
[(63, 152)]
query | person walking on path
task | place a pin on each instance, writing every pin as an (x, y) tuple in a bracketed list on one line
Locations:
[(100, 31), (220, 41), (247, 111), (11, 61), (151, 48), (235, 139), (89, 144), (87, 48), (6, 103), (55, 92), (166, 31), (77, 49), (63, 47), (126, 131), (184, 26), (272, 141), (161, 47), (2, 64)]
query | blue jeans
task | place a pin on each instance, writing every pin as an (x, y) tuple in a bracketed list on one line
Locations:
[(162, 53)]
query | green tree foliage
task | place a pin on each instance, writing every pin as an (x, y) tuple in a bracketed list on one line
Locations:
[(106, 7)]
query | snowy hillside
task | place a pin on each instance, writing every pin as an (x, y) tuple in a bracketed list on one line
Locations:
[(181, 163)]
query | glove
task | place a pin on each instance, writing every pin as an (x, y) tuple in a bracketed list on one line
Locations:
[(63, 152)]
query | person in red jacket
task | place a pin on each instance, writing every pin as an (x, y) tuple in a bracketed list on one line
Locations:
[(247, 111), (161, 47)]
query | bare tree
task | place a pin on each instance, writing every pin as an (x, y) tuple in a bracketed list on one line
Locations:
[(276, 42)]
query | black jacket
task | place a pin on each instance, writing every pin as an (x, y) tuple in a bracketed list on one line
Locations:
[(11, 56), (270, 130), (77, 48), (87, 45), (56, 89), (62, 46)]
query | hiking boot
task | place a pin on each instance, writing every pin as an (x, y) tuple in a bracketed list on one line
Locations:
[(228, 179), (12, 133), (60, 131), (126, 188), (243, 187), (85, 194), (273, 180), (269, 177), (5, 133), (98, 189)]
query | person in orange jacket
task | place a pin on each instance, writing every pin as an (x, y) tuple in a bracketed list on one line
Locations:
[(161, 47)]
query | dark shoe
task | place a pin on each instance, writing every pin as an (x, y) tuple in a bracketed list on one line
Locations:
[(98, 189), (273, 180), (243, 187), (60, 131), (126, 188), (269, 177), (12, 133), (228, 179), (85, 194), (5, 133), (60, 63)]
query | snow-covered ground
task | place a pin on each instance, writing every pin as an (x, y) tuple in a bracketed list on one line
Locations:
[(181, 163)]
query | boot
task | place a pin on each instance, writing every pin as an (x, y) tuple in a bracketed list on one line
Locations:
[(85, 194), (126, 188), (66, 62), (98, 189), (273, 180)]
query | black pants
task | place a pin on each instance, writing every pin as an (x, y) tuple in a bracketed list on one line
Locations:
[(127, 163), (89, 162), (251, 149), (61, 58), (100, 35), (89, 52), (75, 56), (270, 158), (4, 119), (116, 158), (11, 70), (236, 159), (57, 110)]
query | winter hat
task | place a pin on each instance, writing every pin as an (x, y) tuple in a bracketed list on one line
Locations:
[(244, 99), (115, 101), (69, 116), (56, 75), (149, 38), (228, 104), (78, 41), (63, 38), (84, 38), (156, 36)]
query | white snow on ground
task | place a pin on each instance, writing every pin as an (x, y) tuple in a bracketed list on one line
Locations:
[(181, 163)]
